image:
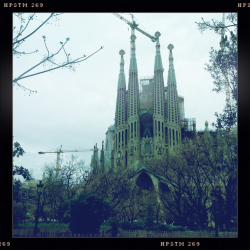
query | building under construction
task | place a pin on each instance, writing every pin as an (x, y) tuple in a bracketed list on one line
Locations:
[(149, 116), (149, 122)]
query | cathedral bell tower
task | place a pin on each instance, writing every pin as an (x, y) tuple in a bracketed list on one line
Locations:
[(120, 119), (159, 102), (173, 128), (133, 106)]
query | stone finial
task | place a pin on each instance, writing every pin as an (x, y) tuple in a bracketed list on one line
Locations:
[(170, 46), (121, 52), (133, 37), (157, 34)]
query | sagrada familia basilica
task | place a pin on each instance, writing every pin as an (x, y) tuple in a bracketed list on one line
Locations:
[(148, 119)]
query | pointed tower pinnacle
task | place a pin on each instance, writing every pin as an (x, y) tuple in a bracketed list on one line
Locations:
[(133, 86), (121, 81), (206, 127), (172, 114), (120, 114), (133, 106), (171, 71), (158, 60), (133, 63), (159, 98), (102, 158)]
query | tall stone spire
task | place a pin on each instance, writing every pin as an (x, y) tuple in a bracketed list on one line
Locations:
[(172, 108), (171, 71), (102, 159), (121, 81), (120, 114), (159, 98), (133, 63), (158, 60), (173, 115), (133, 106), (133, 86)]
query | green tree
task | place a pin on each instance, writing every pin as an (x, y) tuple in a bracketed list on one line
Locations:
[(223, 65), (17, 152), (18, 213), (194, 170), (87, 213), (53, 192), (149, 218), (63, 185)]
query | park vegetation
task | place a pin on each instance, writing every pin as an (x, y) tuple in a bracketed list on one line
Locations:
[(201, 177), (200, 174)]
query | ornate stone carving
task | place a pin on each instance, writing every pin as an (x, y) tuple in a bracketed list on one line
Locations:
[(147, 151), (159, 147), (131, 148)]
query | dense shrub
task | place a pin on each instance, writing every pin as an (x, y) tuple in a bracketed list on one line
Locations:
[(108, 222), (87, 213), (18, 213), (125, 225), (114, 228), (105, 227), (138, 225), (66, 219)]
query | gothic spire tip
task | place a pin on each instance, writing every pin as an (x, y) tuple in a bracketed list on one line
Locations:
[(170, 46), (157, 34), (121, 52)]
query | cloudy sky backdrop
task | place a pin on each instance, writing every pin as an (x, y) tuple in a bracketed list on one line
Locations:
[(74, 109)]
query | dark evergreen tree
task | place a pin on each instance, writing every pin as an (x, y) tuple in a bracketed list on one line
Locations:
[(87, 213)]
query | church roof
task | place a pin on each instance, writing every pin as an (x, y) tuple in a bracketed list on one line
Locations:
[(144, 169)]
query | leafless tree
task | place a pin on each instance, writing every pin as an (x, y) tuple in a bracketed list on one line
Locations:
[(20, 36)]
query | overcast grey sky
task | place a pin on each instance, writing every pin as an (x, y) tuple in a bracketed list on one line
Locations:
[(75, 109)]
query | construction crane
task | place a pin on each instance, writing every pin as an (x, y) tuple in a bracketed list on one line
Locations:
[(59, 151), (228, 99), (134, 25)]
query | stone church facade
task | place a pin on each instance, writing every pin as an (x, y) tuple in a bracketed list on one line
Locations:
[(147, 122)]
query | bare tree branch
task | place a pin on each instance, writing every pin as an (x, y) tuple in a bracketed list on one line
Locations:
[(73, 62), (18, 41)]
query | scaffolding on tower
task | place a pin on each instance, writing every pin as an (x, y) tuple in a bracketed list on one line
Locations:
[(188, 123), (146, 90), (181, 107)]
